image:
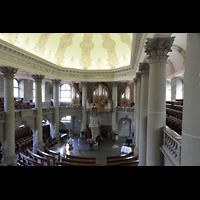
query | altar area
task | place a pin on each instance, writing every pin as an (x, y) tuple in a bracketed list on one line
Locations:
[(107, 148)]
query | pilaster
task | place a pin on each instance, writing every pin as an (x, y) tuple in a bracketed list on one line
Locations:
[(157, 49)]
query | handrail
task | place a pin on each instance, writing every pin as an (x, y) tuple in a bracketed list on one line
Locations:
[(171, 147)]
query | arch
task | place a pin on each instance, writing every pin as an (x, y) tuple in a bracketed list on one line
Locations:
[(72, 113)]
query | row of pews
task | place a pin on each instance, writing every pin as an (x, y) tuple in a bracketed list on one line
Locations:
[(19, 104), (122, 160), (52, 158), (174, 113)]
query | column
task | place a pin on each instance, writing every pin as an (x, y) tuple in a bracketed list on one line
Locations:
[(190, 143), (157, 49), (115, 105), (135, 109), (56, 84), (37, 137), (136, 149), (9, 156), (144, 68), (84, 113)]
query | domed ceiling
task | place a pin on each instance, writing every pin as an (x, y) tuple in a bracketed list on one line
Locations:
[(86, 51)]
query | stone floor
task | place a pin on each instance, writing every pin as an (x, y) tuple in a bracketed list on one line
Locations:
[(105, 148)]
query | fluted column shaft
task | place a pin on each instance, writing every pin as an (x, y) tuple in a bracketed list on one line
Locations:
[(157, 49), (9, 156), (37, 137)]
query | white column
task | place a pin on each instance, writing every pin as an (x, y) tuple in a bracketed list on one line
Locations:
[(37, 137), (115, 105), (9, 156), (56, 84), (144, 68), (84, 113), (136, 149), (157, 49), (190, 143), (135, 109)]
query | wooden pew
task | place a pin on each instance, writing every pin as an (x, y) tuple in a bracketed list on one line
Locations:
[(49, 151), (124, 163), (80, 161), (43, 154), (119, 156), (58, 163), (38, 158), (29, 161), (81, 157), (121, 159)]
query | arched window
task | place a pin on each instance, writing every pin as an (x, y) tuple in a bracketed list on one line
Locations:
[(15, 88), (65, 93)]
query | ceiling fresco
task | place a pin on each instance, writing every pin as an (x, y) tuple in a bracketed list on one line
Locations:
[(87, 51)]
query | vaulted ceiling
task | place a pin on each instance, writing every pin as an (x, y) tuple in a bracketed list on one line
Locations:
[(77, 50), (85, 56)]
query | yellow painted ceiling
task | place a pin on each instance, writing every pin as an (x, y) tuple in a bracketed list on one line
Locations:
[(88, 51)]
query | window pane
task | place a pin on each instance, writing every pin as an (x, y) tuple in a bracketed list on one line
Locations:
[(68, 99), (16, 92), (68, 94), (63, 87), (63, 94), (34, 99), (33, 85), (68, 87), (15, 83)]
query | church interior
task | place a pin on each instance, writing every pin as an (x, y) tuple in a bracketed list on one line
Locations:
[(99, 99)]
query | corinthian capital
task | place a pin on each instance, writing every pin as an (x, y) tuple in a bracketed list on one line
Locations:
[(158, 48), (38, 78), (56, 81), (8, 71)]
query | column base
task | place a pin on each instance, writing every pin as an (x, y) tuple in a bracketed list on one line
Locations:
[(38, 145), (12, 160)]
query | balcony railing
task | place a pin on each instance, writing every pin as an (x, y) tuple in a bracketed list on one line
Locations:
[(171, 147)]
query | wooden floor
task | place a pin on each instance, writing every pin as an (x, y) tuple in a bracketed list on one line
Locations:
[(105, 148)]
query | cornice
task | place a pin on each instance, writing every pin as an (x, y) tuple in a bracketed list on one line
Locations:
[(11, 55)]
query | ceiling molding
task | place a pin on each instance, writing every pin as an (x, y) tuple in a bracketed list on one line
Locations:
[(11, 55)]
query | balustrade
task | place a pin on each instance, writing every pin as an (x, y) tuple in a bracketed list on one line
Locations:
[(171, 147)]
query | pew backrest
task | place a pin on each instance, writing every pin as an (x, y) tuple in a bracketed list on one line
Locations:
[(38, 158), (81, 157), (78, 160), (50, 156), (74, 164)]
